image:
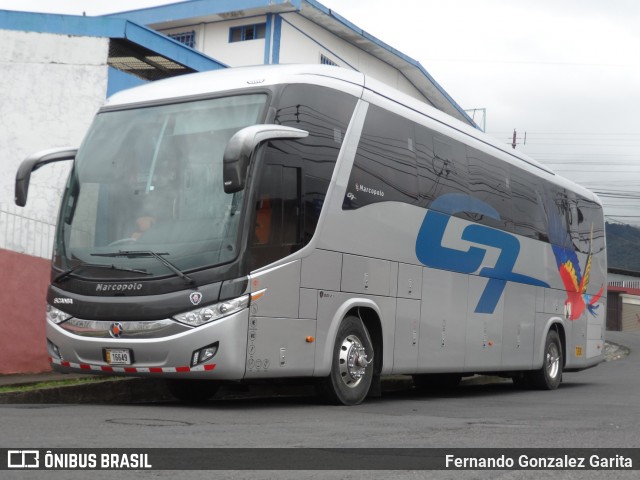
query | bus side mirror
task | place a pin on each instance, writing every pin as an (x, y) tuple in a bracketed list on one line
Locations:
[(240, 147), (34, 162)]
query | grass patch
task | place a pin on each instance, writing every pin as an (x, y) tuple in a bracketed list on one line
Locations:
[(55, 383)]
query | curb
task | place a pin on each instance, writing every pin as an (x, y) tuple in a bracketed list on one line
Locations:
[(118, 390), (114, 390)]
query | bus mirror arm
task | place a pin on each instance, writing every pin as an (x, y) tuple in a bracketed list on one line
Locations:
[(34, 162), (242, 144)]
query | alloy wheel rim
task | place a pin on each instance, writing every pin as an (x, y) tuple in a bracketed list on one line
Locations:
[(553, 361), (353, 361)]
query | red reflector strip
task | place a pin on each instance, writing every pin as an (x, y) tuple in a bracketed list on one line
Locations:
[(107, 368)]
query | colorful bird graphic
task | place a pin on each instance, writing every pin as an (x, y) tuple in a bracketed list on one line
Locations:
[(575, 282)]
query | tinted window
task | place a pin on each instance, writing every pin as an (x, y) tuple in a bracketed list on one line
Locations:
[(528, 213), (277, 219), (590, 226), (442, 166), (558, 215), (297, 174), (384, 169), (489, 182), (573, 222)]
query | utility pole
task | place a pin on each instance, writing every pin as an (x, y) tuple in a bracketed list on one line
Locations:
[(514, 140)]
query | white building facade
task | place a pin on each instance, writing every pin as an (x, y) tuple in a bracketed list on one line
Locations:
[(34, 116), (53, 80), (253, 32)]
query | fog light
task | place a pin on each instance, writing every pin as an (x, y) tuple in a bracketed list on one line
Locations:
[(204, 354), (54, 351)]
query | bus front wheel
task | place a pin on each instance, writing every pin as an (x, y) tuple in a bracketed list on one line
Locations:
[(352, 365)]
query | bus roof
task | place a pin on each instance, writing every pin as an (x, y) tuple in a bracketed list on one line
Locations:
[(200, 84)]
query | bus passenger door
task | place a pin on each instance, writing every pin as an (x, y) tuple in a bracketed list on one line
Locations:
[(277, 344), (277, 223)]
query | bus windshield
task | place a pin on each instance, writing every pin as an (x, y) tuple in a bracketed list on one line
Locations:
[(150, 179)]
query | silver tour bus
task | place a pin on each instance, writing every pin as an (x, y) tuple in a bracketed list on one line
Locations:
[(308, 221)]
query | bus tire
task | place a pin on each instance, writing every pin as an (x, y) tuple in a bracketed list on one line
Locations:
[(550, 375), (192, 391), (351, 366)]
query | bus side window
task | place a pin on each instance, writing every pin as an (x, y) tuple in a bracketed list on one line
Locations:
[(590, 226), (325, 114), (442, 166), (276, 218), (528, 210), (489, 181), (384, 169)]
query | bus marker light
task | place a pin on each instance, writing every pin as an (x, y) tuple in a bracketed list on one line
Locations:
[(258, 295), (310, 339)]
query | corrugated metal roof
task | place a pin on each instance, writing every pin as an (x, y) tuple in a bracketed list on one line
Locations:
[(133, 48)]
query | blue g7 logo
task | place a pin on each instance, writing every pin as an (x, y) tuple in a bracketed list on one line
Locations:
[(432, 253)]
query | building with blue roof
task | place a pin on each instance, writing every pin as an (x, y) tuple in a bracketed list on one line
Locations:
[(252, 32)]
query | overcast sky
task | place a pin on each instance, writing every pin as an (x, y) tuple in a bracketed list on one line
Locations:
[(565, 72)]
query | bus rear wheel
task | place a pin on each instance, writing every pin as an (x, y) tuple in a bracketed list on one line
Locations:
[(192, 391), (550, 375), (352, 365)]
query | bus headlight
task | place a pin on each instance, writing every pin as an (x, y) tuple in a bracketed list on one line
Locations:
[(210, 313), (56, 316)]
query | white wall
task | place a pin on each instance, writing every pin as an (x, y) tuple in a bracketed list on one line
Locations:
[(50, 88), (213, 39), (296, 47)]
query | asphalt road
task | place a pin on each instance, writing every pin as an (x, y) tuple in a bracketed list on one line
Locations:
[(595, 408)]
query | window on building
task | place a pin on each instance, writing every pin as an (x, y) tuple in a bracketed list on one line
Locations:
[(247, 32), (186, 38), (324, 60)]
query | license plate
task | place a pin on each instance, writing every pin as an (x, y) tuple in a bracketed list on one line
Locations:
[(118, 356)]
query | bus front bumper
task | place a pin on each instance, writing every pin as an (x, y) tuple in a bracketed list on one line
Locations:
[(166, 356)]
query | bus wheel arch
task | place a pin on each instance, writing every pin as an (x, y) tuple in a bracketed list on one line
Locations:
[(356, 359), (372, 323), (549, 375)]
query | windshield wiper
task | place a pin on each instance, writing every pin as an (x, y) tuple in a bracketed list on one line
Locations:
[(148, 254), (69, 272)]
